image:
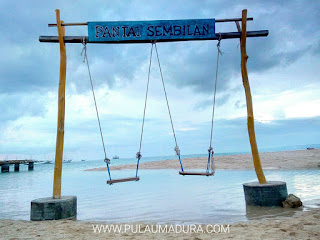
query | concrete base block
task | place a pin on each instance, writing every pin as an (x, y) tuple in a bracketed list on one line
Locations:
[(270, 194), (53, 209)]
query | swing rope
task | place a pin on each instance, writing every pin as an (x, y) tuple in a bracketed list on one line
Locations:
[(210, 150), (138, 155), (85, 59), (176, 149)]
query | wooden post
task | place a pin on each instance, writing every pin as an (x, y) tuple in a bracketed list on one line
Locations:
[(61, 110), (245, 79)]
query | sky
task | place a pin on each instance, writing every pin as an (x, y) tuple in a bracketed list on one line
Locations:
[(283, 73)]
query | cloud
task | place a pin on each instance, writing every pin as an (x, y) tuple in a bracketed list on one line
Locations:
[(283, 73), (20, 105), (232, 135), (186, 64)]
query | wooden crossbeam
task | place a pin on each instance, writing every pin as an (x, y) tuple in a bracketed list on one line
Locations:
[(80, 39), (196, 173), (123, 180), (85, 24)]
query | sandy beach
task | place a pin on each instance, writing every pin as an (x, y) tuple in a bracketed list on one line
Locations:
[(127, 83), (300, 159), (303, 225)]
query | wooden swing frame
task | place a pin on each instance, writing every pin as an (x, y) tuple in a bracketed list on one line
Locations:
[(62, 39)]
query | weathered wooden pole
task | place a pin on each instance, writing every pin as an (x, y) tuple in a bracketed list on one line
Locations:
[(245, 79), (61, 110)]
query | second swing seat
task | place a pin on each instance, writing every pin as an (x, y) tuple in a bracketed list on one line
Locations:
[(196, 173), (123, 180)]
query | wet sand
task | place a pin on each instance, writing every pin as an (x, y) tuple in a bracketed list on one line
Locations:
[(300, 159)]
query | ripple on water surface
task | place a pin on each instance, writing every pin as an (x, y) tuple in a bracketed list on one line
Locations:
[(160, 196)]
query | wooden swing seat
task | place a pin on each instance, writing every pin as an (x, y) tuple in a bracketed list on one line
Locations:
[(123, 180), (196, 173)]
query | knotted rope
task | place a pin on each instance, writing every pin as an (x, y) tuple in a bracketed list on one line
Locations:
[(210, 149), (138, 155), (85, 59)]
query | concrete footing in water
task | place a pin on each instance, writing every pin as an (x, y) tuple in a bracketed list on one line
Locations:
[(269, 194), (16, 167), (5, 167), (54, 209), (30, 166)]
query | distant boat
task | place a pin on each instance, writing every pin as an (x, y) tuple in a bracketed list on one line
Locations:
[(47, 162), (115, 157), (83, 160), (67, 161), (310, 148)]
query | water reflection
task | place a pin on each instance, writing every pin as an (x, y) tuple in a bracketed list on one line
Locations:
[(258, 212)]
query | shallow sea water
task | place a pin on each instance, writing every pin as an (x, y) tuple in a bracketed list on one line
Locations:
[(161, 196)]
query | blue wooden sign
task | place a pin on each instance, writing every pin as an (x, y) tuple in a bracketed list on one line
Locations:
[(147, 31)]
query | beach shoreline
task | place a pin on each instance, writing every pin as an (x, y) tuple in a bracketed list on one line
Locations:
[(284, 160), (302, 225)]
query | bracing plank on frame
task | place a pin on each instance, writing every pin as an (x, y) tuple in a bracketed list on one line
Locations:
[(80, 39)]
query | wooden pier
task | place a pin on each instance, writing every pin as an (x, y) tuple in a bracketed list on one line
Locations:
[(5, 164)]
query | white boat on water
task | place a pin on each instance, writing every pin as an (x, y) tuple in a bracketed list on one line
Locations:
[(115, 157), (47, 162), (67, 161)]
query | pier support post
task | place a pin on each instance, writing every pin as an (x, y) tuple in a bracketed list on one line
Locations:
[(5, 167), (30, 166), (16, 167)]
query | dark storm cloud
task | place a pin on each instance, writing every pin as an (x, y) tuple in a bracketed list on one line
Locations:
[(107, 63), (238, 104), (28, 66), (292, 34), (220, 100), (187, 64), (21, 105), (232, 135)]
